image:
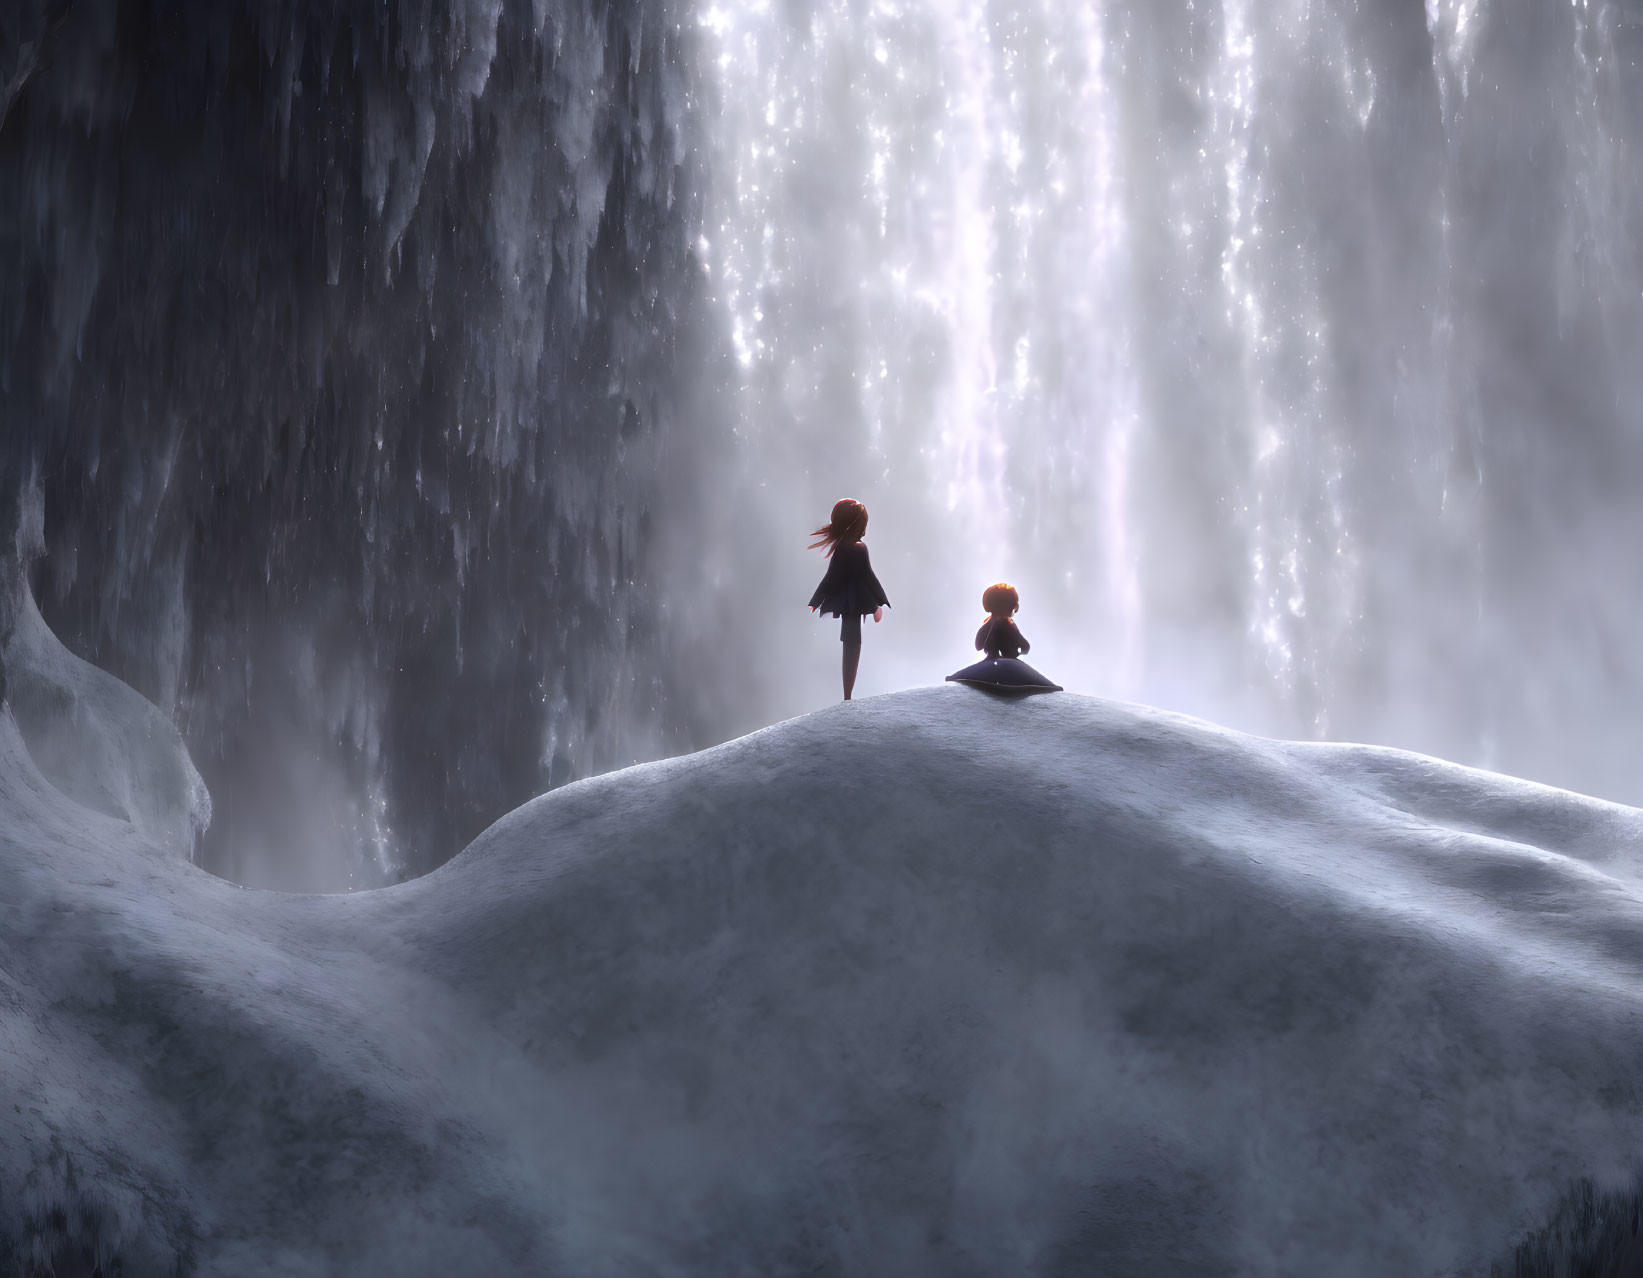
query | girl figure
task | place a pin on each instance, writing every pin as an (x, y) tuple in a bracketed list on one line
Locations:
[(1002, 670), (849, 591)]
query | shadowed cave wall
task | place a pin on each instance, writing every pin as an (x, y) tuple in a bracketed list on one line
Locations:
[(343, 362)]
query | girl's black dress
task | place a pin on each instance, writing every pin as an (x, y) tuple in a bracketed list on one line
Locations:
[(849, 591), (1002, 671)]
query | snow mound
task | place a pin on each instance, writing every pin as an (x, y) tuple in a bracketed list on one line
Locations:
[(96, 739), (926, 984)]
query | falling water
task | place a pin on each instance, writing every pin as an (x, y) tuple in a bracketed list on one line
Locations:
[(1284, 354), (349, 351), (425, 402)]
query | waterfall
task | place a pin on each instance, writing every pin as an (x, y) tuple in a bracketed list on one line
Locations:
[(1283, 354), (425, 403), (348, 351)]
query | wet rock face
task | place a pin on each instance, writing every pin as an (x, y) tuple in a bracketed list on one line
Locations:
[(342, 352)]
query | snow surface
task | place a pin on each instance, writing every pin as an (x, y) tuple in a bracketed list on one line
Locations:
[(97, 740), (924, 984)]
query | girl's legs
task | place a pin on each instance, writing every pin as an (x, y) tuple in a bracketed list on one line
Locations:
[(850, 634)]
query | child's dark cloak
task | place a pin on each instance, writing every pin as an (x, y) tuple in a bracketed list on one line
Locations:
[(1001, 670), (849, 589), (998, 637)]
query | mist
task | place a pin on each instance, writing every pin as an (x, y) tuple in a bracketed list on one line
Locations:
[(1281, 354), (426, 404)]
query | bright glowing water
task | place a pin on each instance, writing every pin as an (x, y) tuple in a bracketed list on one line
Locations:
[(1282, 353)]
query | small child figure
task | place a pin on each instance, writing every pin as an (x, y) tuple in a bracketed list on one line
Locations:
[(998, 635), (1002, 671)]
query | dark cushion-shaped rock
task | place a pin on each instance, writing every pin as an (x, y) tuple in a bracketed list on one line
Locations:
[(1004, 674)]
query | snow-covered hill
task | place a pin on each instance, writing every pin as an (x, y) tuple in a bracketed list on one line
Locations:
[(927, 984)]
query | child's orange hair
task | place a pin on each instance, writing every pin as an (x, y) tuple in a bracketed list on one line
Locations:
[(1000, 599)]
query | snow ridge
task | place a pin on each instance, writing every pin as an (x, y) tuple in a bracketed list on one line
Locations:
[(921, 984)]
